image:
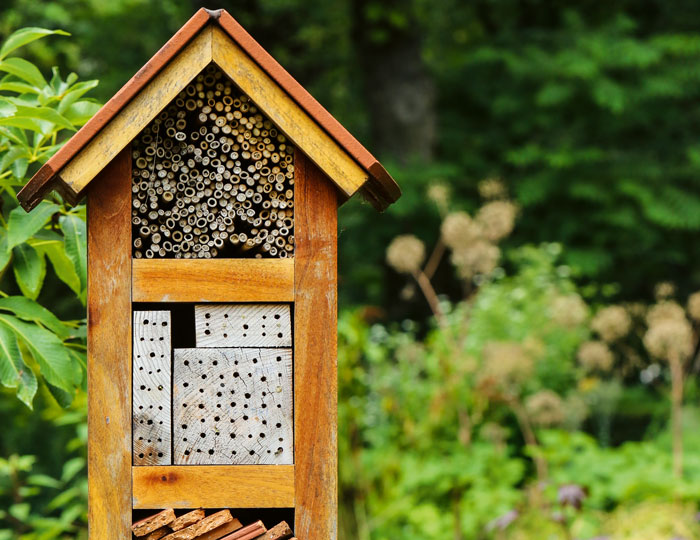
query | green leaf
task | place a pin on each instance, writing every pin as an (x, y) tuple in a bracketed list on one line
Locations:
[(81, 111), (29, 310), (63, 398), (23, 225), (44, 113), (22, 69), (71, 468), (75, 233), (26, 35), (55, 364), (5, 253), (12, 155), (75, 93), (62, 265), (14, 373), (19, 87), (26, 123), (30, 270), (43, 480)]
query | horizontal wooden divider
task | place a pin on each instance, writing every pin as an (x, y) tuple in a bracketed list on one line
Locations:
[(213, 280), (213, 486)]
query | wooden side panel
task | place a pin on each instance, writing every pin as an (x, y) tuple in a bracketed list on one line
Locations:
[(315, 358), (152, 382), (214, 486), (109, 352), (243, 325), (213, 280)]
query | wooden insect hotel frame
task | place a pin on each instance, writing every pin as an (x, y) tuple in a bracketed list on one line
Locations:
[(212, 181)]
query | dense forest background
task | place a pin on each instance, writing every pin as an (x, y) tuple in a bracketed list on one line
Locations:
[(535, 378), (584, 110)]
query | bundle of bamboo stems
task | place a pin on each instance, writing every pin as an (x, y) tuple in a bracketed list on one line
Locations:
[(212, 177)]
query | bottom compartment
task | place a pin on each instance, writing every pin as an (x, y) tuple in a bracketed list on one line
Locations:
[(214, 524)]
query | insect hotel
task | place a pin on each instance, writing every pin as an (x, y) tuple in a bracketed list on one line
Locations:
[(212, 181)]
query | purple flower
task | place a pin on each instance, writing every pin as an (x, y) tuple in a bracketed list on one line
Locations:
[(571, 495), (503, 521)]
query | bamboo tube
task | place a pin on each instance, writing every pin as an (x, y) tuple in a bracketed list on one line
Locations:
[(212, 177)]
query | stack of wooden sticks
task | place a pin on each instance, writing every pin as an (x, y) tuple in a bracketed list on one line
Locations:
[(195, 525), (212, 177)]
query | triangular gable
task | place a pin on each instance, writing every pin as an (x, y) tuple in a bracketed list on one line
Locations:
[(213, 36)]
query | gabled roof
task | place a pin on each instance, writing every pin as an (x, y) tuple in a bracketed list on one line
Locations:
[(213, 36)]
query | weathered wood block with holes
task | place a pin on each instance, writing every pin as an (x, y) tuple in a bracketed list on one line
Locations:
[(243, 325), (212, 181), (152, 382), (233, 406)]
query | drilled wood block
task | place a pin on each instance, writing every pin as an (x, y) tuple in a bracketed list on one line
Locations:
[(233, 406), (243, 325), (151, 388)]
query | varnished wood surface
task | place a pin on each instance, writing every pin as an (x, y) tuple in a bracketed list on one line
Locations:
[(213, 280), (122, 129), (283, 111), (214, 486), (109, 352), (315, 354)]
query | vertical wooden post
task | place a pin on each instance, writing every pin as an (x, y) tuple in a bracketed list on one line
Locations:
[(315, 353), (109, 351)]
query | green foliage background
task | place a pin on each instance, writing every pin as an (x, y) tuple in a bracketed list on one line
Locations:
[(587, 112)]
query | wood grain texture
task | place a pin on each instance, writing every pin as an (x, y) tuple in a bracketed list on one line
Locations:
[(232, 406), (187, 519), (243, 325), (158, 533), (283, 111), (249, 532), (203, 526), (109, 352), (151, 523), (222, 531), (281, 531), (151, 387), (214, 486), (315, 354), (138, 113), (213, 280)]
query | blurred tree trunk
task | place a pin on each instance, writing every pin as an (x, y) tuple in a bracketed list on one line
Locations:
[(399, 89)]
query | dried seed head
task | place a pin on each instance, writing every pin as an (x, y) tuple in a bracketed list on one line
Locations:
[(595, 356), (405, 254), (497, 219), (569, 310), (669, 339), (479, 258), (492, 188), (440, 195), (506, 364), (459, 231), (612, 323), (694, 306), (667, 310), (664, 290), (545, 408)]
